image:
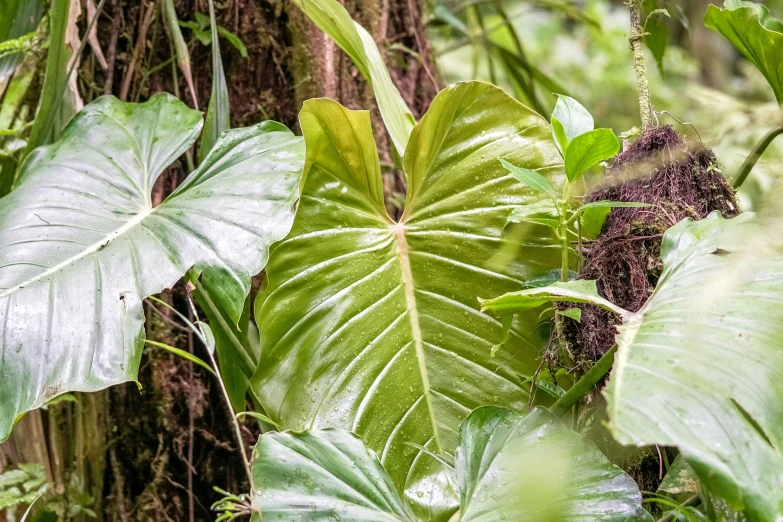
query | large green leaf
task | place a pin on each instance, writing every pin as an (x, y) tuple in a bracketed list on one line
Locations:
[(509, 467), (700, 366), (81, 244), (373, 325), (532, 468), (760, 43), (332, 18), (323, 475)]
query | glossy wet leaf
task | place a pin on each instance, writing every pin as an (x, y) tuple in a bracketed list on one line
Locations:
[(332, 18), (322, 475), (761, 43), (532, 468), (532, 179), (81, 245), (587, 150), (699, 366), (362, 324)]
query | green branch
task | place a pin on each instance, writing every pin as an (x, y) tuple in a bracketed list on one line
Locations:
[(754, 156)]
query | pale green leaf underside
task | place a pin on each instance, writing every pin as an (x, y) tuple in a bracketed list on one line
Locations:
[(530, 468), (81, 244), (374, 326), (323, 475), (578, 291), (761, 45), (704, 356), (332, 18)]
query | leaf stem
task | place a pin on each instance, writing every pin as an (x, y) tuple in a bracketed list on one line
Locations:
[(584, 384), (237, 428), (637, 46), (754, 155), (690, 501)]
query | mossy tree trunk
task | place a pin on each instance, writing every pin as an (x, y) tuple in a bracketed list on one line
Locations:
[(155, 453)]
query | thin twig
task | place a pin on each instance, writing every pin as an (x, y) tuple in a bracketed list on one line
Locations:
[(137, 49), (695, 500)]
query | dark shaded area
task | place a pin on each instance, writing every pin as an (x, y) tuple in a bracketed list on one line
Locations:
[(680, 180)]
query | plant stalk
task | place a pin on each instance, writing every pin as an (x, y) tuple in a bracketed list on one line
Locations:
[(754, 156), (637, 46), (690, 501), (235, 422), (584, 384)]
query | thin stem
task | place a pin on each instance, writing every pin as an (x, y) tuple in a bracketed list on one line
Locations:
[(584, 384), (637, 46), (690, 501), (754, 156), (237, 428)]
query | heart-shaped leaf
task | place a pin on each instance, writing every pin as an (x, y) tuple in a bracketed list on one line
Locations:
[(699, 366), (760, 42), (372, 325), (82, 245), (532, 468)]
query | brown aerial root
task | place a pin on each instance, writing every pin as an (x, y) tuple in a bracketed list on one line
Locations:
[(679, 179)]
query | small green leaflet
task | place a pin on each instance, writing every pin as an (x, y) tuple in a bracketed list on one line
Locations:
[(532, 179), (573, 118), (588, 150)]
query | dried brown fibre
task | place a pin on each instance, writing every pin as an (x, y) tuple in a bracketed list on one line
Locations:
[(679, 179)]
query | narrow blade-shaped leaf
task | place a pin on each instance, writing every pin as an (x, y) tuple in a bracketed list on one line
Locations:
[(218, 116), (332, 18), (180, 47), (362, 326), (699, 365), (579, 291), (323, 475), (82, 246), (58, 103), (611, 204), (760, 44), (588, 150), (532, 179), (531, 468), (20, 17)]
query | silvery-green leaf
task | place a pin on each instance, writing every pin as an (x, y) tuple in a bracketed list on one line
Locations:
[(699, 366), (323, 475), (81, 244)]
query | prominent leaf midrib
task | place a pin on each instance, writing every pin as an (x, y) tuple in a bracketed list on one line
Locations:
[(413, 315), (95, 247)]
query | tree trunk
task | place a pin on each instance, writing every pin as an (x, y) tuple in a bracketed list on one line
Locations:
[(154, 452)]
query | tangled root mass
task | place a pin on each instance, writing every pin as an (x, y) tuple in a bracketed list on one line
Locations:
[(680, 180)]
